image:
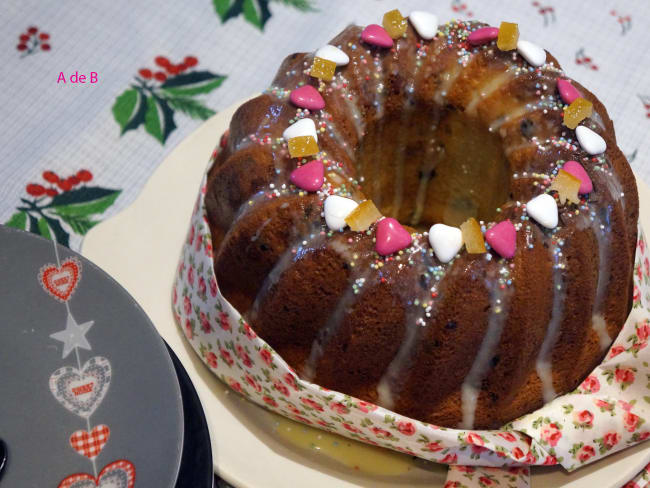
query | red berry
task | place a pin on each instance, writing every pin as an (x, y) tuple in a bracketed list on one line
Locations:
[(51, 192), (162, 61), (160, 76), (50, 176), (587, 59), (65, 185), (84, 175), (43, 36), (32, 30), (190, 61), (594, 67), (35, 190), (648, 115), (145, 73), (21, 47), (183, 67), (73, 180), (173, 69), (45, 47), (23, 38)]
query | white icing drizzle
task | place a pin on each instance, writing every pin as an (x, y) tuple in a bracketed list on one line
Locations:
[(544, 364), (260, 229), (488, 89), (448, 79), (413, 325), (294, 251), (471, 387), (334, 321)]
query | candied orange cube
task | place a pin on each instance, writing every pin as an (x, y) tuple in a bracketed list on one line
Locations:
[(578, 111), (363, 216), (394, 23), (567, 187), (473, 237), (323, 69), (302, 146), (508, 36)]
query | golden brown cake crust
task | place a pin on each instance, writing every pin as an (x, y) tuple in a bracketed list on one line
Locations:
[(406, 330)]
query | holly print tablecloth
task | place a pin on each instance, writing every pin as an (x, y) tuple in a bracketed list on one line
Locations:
[(96, 94)]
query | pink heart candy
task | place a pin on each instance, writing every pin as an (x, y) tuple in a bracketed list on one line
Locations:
[(377, 36), (309, 176), (568, 92), (307, 97), (502, 238), (483, 35), (575, 168), (391, 236)]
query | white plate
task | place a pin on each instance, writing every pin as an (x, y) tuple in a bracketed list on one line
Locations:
[(140, 248)]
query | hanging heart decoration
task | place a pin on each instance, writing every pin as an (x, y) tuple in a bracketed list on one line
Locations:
[(118, 474), (61, 282), (81, 392)]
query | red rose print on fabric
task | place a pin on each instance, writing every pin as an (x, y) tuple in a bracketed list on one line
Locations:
[(551, 434), (590, 384), (211, 358), (583, 419), (266, 356), (406, 428)]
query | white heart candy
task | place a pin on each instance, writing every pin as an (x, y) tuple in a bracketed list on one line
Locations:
[(333, 53), (590, 141), (543, 209), (425, 23), (336, 209), (532, 53), (446, 241), (304, 127)]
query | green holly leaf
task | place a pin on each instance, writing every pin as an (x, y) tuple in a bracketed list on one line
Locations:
[(83, 202), (43, 228), (129, 109), (191, 107), (159, 119), (79, 225), (194, 83), (302, 5), (18, 221), (46, 226), (255, 12)]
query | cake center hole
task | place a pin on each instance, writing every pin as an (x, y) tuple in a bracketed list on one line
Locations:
[(431, 166)]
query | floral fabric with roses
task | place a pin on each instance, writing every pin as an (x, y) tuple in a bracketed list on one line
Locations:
[(609, 411)]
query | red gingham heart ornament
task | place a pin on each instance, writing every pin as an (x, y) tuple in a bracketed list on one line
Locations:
[(118, 474), (90, 444), (61, 282)]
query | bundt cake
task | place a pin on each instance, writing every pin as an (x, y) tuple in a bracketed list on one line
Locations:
[(342, 198)]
